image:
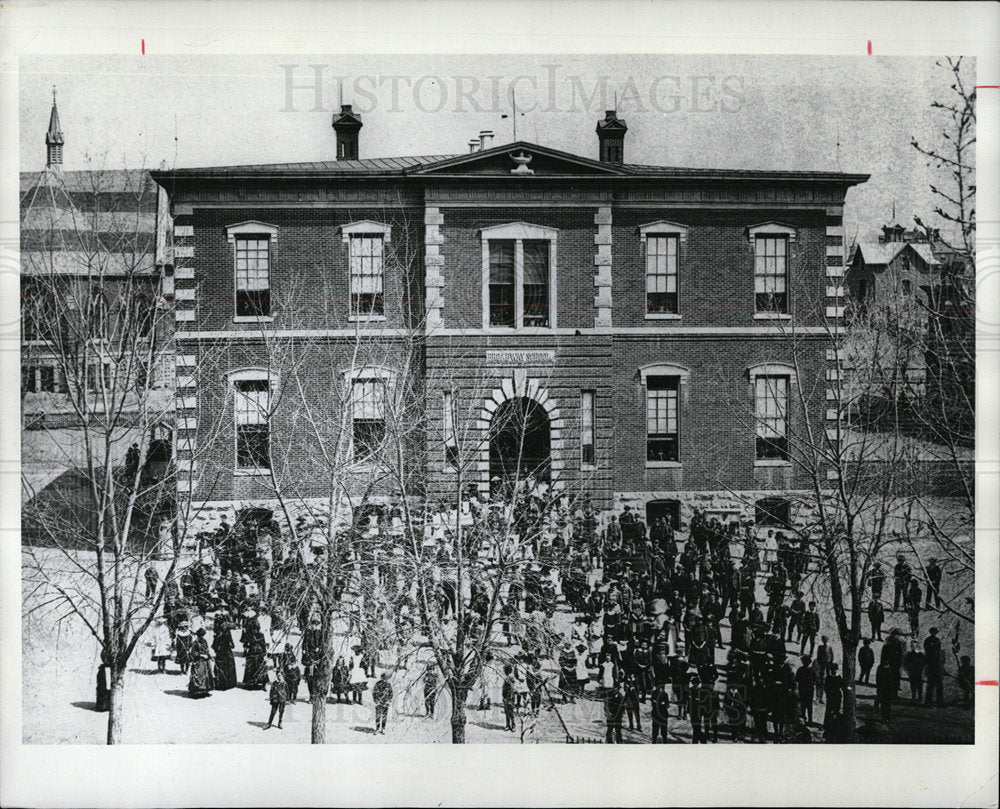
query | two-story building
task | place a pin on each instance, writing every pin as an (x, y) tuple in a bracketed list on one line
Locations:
[(654, 331)]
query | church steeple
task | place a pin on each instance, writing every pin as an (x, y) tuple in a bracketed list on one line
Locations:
[(54, 137)]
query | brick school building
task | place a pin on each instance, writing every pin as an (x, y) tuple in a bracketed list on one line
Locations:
[(647, 335)]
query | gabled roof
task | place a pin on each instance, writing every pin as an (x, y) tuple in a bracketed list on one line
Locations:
[(556, 159), (886, 253)]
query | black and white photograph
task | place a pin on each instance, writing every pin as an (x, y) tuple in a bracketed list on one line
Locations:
[(482, 398)]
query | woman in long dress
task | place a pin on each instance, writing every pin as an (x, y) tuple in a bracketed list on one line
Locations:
[(225, 664), (200, 681), (255, 669)]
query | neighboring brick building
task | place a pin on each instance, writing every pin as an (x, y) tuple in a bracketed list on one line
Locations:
[(644, 321), (95, 273)]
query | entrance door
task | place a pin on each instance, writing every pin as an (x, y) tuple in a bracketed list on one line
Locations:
[(670, 509), (520, 443)]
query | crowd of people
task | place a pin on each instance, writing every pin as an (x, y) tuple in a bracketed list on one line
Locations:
[(648, 608)]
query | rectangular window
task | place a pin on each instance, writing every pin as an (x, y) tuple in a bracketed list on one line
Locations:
[(661, 275), (450, 438), (771, 274), (253, 437), (367, 296), (368, 414), (29, 378), (502, 283), (587, 449), (771, 414), (536, 283), (94, 381), (47, 379), (253, 276), (662, 417)]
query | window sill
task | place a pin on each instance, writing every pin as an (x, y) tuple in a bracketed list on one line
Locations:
[(366, 318), (588, 467), (771, 316), (249, 473), (664, 465), (521, 329), (662, 316), (771, 462), (253, 319)]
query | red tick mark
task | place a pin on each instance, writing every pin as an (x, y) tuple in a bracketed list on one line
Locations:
[(144, 48), (869, 47), (987, 682), (988, 86)]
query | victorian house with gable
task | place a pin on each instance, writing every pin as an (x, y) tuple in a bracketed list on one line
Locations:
[(637, 322)]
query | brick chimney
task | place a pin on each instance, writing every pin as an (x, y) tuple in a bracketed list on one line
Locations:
[(611, 137), (347, 124)]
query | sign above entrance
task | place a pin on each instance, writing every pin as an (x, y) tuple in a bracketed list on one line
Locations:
[(517, 357)]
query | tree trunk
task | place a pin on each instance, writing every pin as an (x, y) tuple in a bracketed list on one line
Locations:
[(320, 686), (115, 711), (850, 690), (458, 696)]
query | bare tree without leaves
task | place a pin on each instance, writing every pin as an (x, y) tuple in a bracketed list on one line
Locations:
[(98, 475)]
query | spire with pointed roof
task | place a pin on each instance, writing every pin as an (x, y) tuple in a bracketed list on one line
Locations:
[(54, 137)]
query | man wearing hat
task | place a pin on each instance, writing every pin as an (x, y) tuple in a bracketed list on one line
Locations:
[(933, 668), (614, 710)]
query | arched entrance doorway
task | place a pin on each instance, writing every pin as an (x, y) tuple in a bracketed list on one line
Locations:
[(520, 442)]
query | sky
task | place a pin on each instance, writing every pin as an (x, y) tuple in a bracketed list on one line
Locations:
[(854, 114)]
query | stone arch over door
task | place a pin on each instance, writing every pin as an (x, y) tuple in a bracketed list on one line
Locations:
[(519, 385)]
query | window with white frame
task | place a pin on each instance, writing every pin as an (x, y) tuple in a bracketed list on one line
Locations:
[(661, 274), (587, 418), (771, 273), (367, 294), (536, 283), (519, 276), (662, 418), (253, 276), (367, 242), (253, 254), (502, 283), (253, 432), (771, 416), (368, 406)]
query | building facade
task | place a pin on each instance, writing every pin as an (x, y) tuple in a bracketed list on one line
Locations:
[(95, 293), (653, 331)]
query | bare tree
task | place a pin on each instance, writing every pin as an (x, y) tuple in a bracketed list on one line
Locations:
[(98, 477), (471, 554)]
